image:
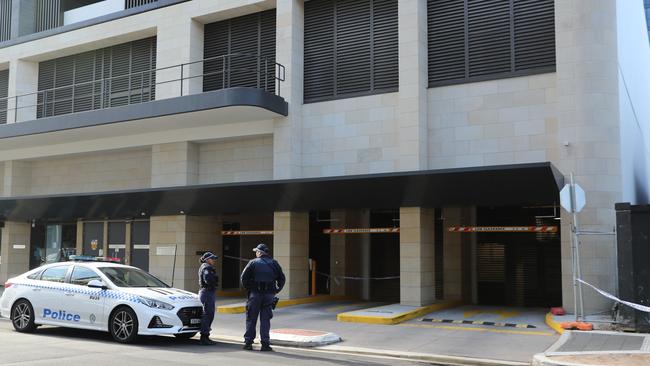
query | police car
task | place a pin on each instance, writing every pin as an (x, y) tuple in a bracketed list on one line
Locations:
[(98, 295)]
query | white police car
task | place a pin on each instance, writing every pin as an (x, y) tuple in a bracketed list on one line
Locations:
[(123, 300)]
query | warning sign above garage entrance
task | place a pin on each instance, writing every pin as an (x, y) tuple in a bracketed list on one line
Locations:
[(502, 229)]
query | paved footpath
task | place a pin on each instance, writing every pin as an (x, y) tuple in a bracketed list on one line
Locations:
[(69, 347)]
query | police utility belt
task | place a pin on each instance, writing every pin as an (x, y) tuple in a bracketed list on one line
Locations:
[(264, 287)]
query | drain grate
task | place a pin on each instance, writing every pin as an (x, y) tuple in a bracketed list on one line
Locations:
[(478, 322)]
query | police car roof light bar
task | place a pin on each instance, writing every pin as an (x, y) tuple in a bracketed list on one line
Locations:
[(90, 258)]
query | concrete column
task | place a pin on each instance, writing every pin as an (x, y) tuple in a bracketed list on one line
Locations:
[(291, 249), (412, 108), (183, 236), (17, 177), (338, 246), (22, 17), (174, 164), (589, 120), (79, 247), (128, 243), (23, 82), (417, 285), (180, 41), (14, 249), (457, 272), (287, 137), (453, 255)]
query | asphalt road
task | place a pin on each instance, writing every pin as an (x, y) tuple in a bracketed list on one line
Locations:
[(60, 346)]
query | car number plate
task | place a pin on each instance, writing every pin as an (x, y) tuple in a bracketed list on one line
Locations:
[(195, 321)]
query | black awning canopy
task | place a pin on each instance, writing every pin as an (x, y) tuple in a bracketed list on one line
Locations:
[(537, 183)]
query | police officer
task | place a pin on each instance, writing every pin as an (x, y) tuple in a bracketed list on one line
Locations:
[(208, 281), (263, 278)]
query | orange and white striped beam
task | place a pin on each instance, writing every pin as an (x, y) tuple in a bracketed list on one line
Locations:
[(502, 229), (246, 232), (374, 230)]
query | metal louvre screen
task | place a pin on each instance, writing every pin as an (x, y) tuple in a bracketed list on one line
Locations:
[(49, 14), (484, 39), (249, 35), (108, 77), (4, 89), (5, 20), (351, 48), (133, 3)]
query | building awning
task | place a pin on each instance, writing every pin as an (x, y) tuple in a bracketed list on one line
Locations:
[(536, 183)]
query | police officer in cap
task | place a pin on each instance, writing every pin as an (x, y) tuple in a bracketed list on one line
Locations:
[(208, 281), (263, 278)]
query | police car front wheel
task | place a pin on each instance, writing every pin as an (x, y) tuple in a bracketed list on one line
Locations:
[(22, 316), (124, 325)]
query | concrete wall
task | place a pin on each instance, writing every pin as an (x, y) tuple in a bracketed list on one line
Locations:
[(350, 136), (634, 86), (92, 173), (236, 160), (493, 122)]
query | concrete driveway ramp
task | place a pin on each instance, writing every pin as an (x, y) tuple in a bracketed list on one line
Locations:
[(303, 337)]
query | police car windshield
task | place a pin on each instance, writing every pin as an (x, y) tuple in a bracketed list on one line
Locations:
[(131, 277)]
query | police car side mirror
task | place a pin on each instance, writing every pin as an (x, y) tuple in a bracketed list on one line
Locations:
[(97, 284)]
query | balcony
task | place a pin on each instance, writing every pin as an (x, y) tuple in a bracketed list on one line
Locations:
[(225, 89)]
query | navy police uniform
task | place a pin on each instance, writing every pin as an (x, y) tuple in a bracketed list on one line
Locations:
[(263, 278), (208, 282)]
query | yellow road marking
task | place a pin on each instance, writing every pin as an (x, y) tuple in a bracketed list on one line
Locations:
[(449, 327)]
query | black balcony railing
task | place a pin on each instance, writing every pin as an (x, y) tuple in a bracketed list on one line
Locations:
[(195, 77)]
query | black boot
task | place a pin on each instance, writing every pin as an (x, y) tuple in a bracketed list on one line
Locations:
[(266, 348), (206, 341), (248, 346)]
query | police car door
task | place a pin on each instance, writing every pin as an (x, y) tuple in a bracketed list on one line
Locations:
[(49, 299), (86, 302)]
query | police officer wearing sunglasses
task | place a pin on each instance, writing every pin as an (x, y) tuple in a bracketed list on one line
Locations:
[(263, 278)]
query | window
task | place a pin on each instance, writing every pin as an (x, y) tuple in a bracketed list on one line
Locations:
[(351, 48), (5, 20), (131, 277), (35, 275), (55, 274), (109, 77), (82, 275), (487, 39), (244, 38)]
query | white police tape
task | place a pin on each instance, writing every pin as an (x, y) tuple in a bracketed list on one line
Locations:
[(645, 309)]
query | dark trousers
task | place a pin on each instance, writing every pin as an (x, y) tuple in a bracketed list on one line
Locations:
[(259, 304), (207, 298)]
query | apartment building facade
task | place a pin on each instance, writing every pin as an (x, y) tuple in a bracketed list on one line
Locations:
[(376, 138)]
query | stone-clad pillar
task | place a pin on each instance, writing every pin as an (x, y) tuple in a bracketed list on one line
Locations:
[(417, 285), (183, 236), (17, 178), (287, 137), (413, 70), (291, 249), (14, 249), (174, 164), (589, 121)]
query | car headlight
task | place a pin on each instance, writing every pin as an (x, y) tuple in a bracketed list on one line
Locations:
[(155, 303)]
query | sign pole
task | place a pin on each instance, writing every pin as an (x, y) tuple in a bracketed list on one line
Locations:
[(575, 234)]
